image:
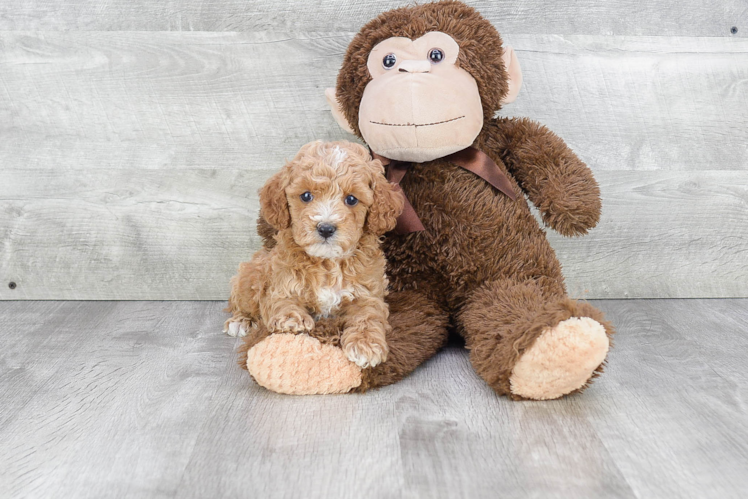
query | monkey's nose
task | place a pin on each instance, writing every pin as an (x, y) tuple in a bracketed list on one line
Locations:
[(326, 230), (414, 66)]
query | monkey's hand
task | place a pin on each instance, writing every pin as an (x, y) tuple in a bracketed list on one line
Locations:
[(554, 178), (571, 204)]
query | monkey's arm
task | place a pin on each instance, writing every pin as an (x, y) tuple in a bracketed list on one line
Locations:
[(554, 178)]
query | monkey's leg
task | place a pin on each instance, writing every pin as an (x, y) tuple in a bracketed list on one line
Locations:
[(315, 363), (529, 341), (299, 364), (419, 330)]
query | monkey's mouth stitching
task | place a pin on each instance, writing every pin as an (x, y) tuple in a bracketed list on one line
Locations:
[(416, 124)]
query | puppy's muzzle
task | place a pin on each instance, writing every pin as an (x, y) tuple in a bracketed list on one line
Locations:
[(326, 229)]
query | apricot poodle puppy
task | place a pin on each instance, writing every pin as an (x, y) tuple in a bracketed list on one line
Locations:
[(330, 206)]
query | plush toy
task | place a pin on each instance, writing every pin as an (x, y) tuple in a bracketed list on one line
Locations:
[(421, 85)]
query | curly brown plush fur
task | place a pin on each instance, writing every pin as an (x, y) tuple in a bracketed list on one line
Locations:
[(483, 264)]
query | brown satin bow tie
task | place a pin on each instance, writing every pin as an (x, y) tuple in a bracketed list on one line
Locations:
[(472, 159)]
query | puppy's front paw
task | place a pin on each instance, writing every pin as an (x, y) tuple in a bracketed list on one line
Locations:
[(364, 352), (293, 322), (236, 329)]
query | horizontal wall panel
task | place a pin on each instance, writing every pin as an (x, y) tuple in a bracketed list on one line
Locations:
[(180, 234), (587, 17), (152, 100)]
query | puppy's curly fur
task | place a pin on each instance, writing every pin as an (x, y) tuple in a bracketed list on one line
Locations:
[(308, 274)]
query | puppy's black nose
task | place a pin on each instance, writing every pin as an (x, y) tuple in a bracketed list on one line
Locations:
[(326, 230)]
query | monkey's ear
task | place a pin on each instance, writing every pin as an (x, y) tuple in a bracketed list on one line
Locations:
[(337, 112), (515, 74)]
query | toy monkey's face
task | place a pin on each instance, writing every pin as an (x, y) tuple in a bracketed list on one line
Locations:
[(419, 104)]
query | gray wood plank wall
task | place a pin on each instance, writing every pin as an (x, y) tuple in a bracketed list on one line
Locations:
[(539, 17), (131, 150)]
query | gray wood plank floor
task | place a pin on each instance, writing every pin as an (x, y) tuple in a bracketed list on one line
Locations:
[(130, 399)]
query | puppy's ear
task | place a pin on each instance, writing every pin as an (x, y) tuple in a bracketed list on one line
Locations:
[(273, 201), (387, 206)]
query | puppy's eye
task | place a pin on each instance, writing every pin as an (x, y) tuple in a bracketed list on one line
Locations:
[(389, 61), (306, 197), (436, 55), (351, 200)]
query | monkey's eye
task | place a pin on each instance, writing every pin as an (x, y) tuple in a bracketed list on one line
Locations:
[(436, 55), (351, 200), (306, 197), (389, 61)]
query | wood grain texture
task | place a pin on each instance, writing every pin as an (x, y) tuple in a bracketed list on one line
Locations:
[(151, 100), (144, 399), (131, 161), (178, 234), (588, 17)]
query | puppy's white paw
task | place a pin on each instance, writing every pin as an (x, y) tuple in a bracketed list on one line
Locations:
[(236, 329), (292, 322), (365, 353)]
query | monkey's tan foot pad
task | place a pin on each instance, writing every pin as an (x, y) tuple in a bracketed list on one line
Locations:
[(300, 364), (561, 360)]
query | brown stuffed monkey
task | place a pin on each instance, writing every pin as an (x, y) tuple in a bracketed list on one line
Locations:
[(421, 85)]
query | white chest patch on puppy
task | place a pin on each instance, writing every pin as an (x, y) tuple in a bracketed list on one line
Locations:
[(329, 299)]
